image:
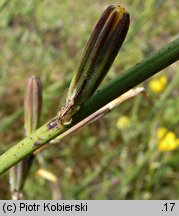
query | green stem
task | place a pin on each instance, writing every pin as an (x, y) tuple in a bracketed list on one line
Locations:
[(127, 80), (132, 77)]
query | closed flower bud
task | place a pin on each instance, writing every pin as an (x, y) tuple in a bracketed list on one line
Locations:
[(32, 110), (99, 54), (32, 104)]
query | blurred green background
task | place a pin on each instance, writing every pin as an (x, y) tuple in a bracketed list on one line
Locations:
[(119, 156)]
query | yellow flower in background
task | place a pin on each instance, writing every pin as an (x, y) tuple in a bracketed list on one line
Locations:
[(177, 141), (123, 122), (161, 132), (167, 140), (158, 85)]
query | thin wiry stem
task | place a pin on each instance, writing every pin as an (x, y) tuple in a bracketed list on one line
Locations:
[(127, 80)]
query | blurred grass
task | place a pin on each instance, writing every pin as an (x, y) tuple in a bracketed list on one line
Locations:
[(45, 38)]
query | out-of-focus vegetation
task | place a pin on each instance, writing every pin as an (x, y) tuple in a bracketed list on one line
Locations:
[(133, 152)]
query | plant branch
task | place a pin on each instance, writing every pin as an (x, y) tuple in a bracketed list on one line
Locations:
[(127, 80), (101, 112)]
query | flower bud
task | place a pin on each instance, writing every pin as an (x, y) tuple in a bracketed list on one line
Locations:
[(32, 104), (99, 54), (32, 110)]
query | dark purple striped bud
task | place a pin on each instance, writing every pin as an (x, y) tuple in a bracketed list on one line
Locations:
[(99, 54)]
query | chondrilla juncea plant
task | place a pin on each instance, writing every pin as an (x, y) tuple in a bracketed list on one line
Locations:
[(81, 102), (99, 54)]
